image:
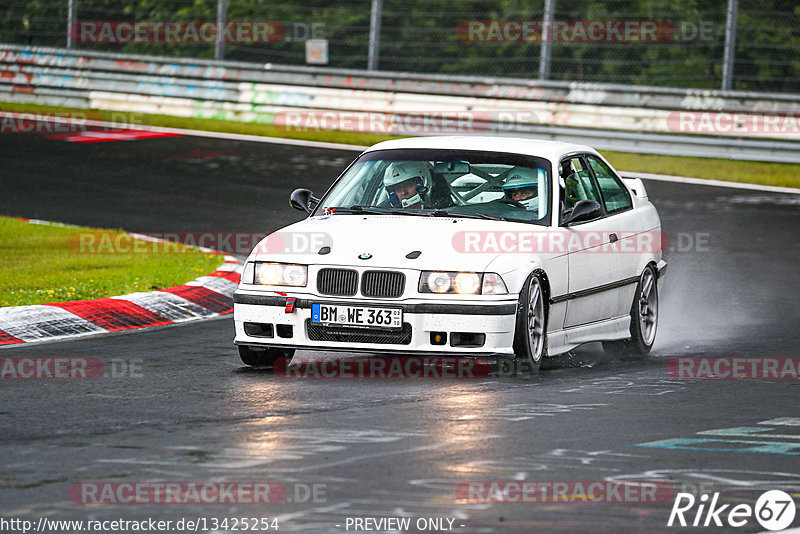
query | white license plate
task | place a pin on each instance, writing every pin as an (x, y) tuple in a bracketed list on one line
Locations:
[(358, 316)]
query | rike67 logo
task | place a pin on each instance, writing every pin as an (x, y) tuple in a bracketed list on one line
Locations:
[(774, 510)]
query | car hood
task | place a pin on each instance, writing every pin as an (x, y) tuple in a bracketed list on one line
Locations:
[(385, 241)]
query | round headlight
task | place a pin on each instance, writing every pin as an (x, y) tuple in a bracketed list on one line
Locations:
[(439, 282), (269, 273), (467, 283), (295, 275)]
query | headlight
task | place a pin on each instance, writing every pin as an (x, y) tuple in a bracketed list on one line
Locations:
[(281, 274), (468, 283), (439, 282), (461, 283)]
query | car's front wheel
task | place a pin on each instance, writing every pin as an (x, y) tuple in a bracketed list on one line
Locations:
[(530, 334), (644, 317), (263, 358)]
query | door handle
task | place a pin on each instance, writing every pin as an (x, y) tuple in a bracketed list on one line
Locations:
[(613, 238)]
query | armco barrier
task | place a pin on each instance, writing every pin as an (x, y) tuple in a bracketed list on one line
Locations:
[(636, 119)]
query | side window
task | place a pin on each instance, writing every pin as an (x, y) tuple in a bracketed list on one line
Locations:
[(577, 183), (615, 195)]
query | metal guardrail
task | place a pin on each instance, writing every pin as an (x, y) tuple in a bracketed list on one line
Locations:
[(436, 84), (677, 145), (634, 119)]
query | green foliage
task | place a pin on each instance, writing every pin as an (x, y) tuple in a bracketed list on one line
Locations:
[(421, 37)]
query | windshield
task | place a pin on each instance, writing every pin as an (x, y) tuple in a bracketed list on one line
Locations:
[(457, 183)]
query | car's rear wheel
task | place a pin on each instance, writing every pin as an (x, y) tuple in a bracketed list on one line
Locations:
[(263, 357), (644, 317), (530, 334)]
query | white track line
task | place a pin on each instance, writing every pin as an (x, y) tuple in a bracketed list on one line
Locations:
[(181, 131), (258, 138), (359, 148), (703, 181)]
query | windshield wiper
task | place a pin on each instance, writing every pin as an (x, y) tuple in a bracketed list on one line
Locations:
[(376, 210), (466, 215), (386, 210), (360, 209), (379, 210)]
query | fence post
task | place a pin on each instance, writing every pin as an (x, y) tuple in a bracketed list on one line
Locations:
[(547, 39), (730, 45), (374, 34), (72, 10), (222, 19)]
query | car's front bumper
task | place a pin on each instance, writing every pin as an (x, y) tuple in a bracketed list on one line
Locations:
[(494, 318)]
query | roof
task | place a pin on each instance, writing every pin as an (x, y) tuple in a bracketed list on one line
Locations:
[(552, 150)]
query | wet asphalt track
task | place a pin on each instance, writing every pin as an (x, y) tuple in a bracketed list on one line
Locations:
[(393, 448)]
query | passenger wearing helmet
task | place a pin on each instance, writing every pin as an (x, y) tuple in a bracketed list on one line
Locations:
[(406, 183), (522, 186)]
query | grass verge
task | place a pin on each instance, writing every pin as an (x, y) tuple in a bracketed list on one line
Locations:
[(750, 172), (43, 263), (211, 125), (753, 172)]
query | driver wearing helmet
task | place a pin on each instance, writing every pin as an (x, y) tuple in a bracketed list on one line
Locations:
[(405, 182), (522, 185)]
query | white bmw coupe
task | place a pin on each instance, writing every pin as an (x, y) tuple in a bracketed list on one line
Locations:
[(459, 246)]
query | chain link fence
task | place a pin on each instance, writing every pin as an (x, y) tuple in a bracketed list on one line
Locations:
[(675, 43)]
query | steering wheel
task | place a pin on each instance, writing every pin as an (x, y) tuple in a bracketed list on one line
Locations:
[(512, 202)]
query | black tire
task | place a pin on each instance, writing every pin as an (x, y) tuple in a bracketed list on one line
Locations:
[(263, 358), (527, 350), (641, 341)]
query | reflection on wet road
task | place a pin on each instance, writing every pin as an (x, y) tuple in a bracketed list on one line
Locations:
[(395, 448)]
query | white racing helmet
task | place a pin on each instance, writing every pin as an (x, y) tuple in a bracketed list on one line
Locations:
[(524, 178), (402, 171)]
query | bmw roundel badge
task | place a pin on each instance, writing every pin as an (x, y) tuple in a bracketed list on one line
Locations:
[(364, 256)]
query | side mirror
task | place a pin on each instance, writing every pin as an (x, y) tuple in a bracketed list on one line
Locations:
[(585, 210), (301, 198)]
